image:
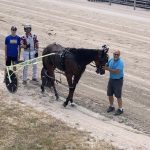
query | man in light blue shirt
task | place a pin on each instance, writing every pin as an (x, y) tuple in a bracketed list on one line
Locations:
[(116, 68)]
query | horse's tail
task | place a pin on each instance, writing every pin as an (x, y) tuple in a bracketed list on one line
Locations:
[(44, 66), (47, 59), (51, 49)]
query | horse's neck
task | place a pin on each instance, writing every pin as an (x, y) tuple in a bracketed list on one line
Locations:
[(89, 57), (83, 56)]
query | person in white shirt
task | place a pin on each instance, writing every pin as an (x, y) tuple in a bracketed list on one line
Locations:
[(30, 44)]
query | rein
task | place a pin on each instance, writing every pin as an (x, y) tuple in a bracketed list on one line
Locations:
[(57, 81)]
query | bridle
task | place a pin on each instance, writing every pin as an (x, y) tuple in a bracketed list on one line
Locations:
[(103, 59)]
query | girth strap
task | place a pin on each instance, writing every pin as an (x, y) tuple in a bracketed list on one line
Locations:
[(62, 57)]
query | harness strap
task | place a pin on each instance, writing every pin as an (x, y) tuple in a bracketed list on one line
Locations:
[(62, 57), (57, 81)]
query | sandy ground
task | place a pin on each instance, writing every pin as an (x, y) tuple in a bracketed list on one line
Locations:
[(78, 23)]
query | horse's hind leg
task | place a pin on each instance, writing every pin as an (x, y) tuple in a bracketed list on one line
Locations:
[(56, 93), (43, 85), (51, 74), (42, 88), (43, 80)]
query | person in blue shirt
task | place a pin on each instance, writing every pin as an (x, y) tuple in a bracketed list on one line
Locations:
[(116, 68), (12, 47)]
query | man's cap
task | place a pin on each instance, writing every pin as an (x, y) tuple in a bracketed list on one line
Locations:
[(27, 26)]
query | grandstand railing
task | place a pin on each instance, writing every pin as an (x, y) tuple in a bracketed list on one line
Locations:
[(136, 3)]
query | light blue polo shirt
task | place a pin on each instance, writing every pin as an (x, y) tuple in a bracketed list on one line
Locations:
[(116, 65)]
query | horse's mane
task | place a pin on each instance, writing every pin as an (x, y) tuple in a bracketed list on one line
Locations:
[(80, 51), (82, 54)]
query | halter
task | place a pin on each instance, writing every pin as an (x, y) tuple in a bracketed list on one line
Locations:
[(103, 59)]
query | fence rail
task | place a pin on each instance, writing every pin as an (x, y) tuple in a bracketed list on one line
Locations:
[(136, 3)]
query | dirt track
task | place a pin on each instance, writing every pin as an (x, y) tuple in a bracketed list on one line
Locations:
[(78, 23)]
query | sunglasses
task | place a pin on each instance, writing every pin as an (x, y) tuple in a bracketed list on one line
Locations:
[(13, 30), (116, 54)]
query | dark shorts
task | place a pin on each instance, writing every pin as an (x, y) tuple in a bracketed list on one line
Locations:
[(115, 87), (10, 60)]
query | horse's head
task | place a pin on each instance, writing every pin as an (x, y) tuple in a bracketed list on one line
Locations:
[(101, 59)]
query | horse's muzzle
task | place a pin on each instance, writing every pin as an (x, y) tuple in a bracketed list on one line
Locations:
[(100, 71)]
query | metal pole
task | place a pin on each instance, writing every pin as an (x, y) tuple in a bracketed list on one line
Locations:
[(134, 4), (110, 2), (29, 62), (8, 75)]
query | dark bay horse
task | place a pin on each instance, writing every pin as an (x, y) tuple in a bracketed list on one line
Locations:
[(73, 62)]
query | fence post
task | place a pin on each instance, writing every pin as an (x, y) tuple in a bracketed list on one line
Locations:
[(110, 2), (134, 4)]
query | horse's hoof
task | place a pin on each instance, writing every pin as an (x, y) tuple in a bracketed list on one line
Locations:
[(64, 104), (57, 98), (72, 104), (42, 92)]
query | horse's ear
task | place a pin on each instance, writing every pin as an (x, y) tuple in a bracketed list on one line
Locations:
[(105, 48)]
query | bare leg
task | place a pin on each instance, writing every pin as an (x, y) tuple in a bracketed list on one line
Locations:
[(111, 100), (120, 109), (119, 103)]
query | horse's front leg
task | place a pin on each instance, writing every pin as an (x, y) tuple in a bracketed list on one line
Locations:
[(75, 82), (71, 90), (72, 87)]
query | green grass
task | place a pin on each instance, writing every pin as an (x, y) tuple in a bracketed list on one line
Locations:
[(23, 128)]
